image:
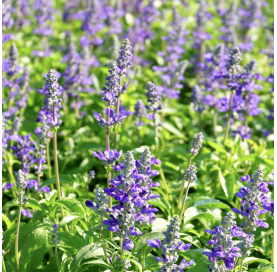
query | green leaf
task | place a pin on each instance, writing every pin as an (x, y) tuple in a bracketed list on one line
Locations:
[(192, 214), (191, 240), (266, 268), (63, 179), (68, 218), (199, 267), (217, 147), (70, 240), (97, 262), (172, 129), (32, 251), (159, 225), (72, 205), (6, 220), (210, 203), (144, 239), (88, 251), (158, 203), (250, 260), (31, 203), (135, 263), (226, 184)]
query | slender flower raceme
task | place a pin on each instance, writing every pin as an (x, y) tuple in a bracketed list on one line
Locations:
[(197, 99), (140, 111), (224, 252), (252, 197), (54, 233), (52, 92), (21, 186), (170, 247), (153, 97), (190, 175)]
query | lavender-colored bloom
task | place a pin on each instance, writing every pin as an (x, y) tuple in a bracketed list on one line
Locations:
[(7, 186), (109, 157), (13, 60), (124, 60), (197, 99), (224, 103), (244, 132), (190, 176), (233, 62), (140, 111), (43, 10), (24, 150), (223, 248), (153, 96), (55, 233), (100, 204), (114, 118), (132, 187), (251, 196), (266, 132), (21, 182), (171, 246), (52, 103), (27, 213), (196, 144), (91, 174)]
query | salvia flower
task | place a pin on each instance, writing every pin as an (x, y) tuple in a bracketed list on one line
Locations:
[(223, 246), (233, 62), (197, 99), (13, 60), (152, 94), (24, 150), (91, 174), (124, 59), (196, 144), (140, 111), (251, 196), (171, 246), (190, 176), (100, 205), (109, 157), (55, 233), (21, 182), (132, 188)]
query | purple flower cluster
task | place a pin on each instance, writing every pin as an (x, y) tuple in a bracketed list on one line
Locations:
[(171, 246), (251, 196), (7, 20), (109, 157), (44, 15), (141, 31), (24, 150), (51, 103), (197, 99), (223, 248), (113, 89), (140, 111), (132, 189)]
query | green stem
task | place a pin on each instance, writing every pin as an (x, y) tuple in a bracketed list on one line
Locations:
[(184, 203), (272, 250), (57, 174), (122, 252), (215, 124), (240, 269), (229, 119), (102, 238), (11, 174), (3, 264), (49, 163), (57, 258), (156, 131), (183, 187), (164, 183), (200, 122), (117, 112), (138, 137), (17, 234)]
